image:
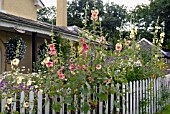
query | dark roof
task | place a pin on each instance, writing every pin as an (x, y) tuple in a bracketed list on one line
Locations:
[(146, 44), (21, 20)]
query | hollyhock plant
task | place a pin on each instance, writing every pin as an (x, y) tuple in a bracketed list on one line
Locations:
[(91, 70), (52, 47), (118, 46), (49, 64), (98, 67), (52, 52), (94, 15)]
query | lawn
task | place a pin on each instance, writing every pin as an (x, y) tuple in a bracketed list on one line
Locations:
[(166, 110)]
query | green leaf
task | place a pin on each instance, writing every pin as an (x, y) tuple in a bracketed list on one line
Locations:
[(102, 96), (68, 99), (56, 106), (86, 107)]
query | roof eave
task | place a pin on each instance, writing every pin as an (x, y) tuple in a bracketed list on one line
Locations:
[(39, 4)]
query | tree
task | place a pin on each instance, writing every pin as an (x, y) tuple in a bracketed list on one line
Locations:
[(47, 14), (111, 15), (149, 15)]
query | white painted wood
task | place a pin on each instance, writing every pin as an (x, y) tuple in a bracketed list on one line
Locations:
[(82, 103), (3, 102), (100, 107), (53, 101), (157, 94), (131, 110), (75, 104), (154, 96), (149, 96), (47, 104), (22, 109), (127, 99), (134, 97), (118, 98), (143, 92), (31, 102), (137, 97), (14, 103), (107, 105), (141, 95), (123, 98), (146, 94), (39, 110), (112, 103)]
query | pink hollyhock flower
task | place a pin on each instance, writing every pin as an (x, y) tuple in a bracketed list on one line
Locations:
[(82, 40), (94, 14), (61, 76), (55, 61), (62, 68), (71, 60), (99, 66), (83, 67), (52, 52), (52, 47), (85, 47), (118, 46), (49, 64), (77, 66), (71, 67), (59, 72), (127, 42)]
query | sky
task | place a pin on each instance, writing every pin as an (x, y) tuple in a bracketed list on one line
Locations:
[(129, 3)]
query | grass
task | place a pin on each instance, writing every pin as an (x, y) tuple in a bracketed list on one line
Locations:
[(166, 110)]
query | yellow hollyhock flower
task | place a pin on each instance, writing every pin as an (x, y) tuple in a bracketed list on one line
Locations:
[(26, 104), (46, 60), (9, 100), (15, 62)]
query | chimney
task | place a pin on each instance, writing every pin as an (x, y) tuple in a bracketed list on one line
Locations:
[(61, 13)]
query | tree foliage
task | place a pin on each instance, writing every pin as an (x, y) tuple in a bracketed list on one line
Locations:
[(148, 15), (111, 15)]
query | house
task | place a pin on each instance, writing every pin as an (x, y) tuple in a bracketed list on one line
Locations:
[(147, 45), (19, 18)]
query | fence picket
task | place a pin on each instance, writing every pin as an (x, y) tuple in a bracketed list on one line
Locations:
[(14, 103), (137, 97), (39, 102), (3, 103), (31, 101), (127, 100), (47, 104), (82, 103), (123, 99), (130, 92), (112, 103), (150, 90), (118, 98), (134, 97), (141, 95), (22, 109)]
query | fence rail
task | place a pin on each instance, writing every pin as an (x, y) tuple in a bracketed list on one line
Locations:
[(143, 97)]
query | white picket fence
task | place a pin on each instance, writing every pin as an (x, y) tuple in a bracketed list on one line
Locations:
[(152, 93)]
